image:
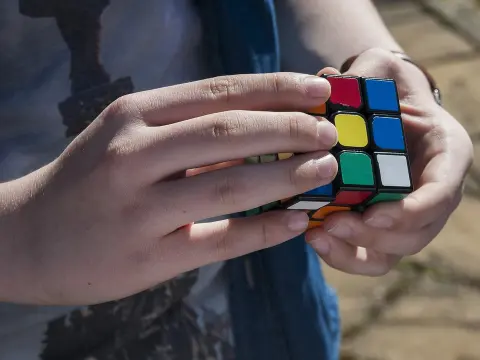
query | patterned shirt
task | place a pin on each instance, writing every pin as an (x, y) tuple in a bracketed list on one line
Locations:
[(61, 62)]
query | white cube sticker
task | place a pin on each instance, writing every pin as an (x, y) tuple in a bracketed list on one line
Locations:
[(393, 170), (308, 205)]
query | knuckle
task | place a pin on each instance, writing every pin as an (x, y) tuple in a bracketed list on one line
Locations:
[(226, 190), (301, 127), (124, 107), (386, 58), (303, 177), (222, 244), (452, 200), (283, 82), (223, 87), (227, 125), (293, 178), (275, 82), (267, 236), (294, 127)]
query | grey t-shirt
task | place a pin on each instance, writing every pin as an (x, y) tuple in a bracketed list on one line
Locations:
[(142, 45)]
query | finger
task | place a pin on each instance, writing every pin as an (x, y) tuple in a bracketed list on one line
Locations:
[(351, 229), (328, 71), (205, 243), (232, 135), (274, 92), (348, 258), (242, 188)]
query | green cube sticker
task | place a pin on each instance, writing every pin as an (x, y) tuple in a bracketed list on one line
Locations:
[(384, 197), (356, 168)]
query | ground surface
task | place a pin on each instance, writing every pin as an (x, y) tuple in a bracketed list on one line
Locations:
[(428, 308)]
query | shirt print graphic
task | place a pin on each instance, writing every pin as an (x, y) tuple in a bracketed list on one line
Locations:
[(155, 324)]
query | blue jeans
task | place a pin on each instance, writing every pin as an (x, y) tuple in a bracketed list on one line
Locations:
[(281, 306)]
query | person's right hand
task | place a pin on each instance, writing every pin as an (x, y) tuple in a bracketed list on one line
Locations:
[(112, 217)]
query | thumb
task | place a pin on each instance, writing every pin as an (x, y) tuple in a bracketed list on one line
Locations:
[(328, 71), (412, 85), (374, 63)]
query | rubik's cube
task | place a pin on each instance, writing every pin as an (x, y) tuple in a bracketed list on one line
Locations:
[(373, 163)]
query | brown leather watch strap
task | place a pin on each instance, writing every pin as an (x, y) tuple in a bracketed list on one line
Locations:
[(433, 85)]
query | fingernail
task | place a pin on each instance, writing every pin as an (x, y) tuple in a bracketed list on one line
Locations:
[(297, 221), (317, 87), (340, 231), (326, 166), (321, 245), (327, 134), (380, 221)]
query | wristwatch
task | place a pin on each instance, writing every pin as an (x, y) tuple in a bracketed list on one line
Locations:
[(433, 85)]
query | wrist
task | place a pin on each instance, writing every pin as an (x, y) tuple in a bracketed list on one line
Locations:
[(421, 71)]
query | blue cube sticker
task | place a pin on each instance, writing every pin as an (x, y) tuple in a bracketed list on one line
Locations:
[(381, 95), (388, 133), (325, 190)]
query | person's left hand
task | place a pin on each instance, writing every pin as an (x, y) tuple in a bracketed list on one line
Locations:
[(441, 153)]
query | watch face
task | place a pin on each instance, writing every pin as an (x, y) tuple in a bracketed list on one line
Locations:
[(79, 110)]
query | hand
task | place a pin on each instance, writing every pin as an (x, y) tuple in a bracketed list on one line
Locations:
[(441, 154), (113, 215)]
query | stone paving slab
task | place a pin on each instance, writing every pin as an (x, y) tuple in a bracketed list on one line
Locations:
[(432, 303), (462, 15), (357, 294), (401, 12), (413, 342), (425, 39), (458, 245)]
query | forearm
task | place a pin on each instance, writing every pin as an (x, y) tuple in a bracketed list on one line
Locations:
[(328, 31), (16, 277)]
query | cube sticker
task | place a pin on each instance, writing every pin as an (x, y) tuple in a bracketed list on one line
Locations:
[(388, 133), (312, 224), (307, 205), (320, 110), (326, 190), (356, 169), (386, 197), (393, 170), (284, 156), (322, 213), (381, 95), (345, 93), (352, 130), (352, 198), (372, 154)]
